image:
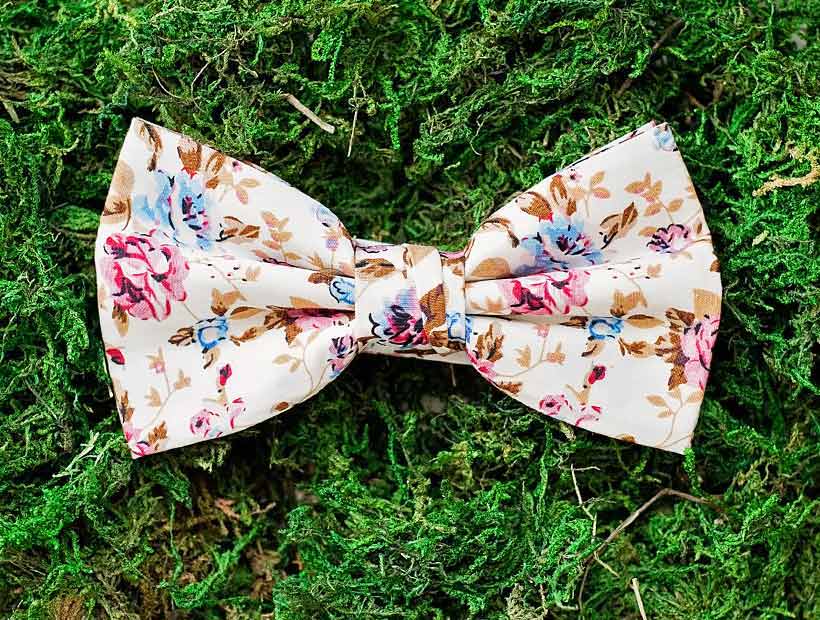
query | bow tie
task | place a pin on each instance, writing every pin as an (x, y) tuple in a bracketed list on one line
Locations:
[(227, 296)]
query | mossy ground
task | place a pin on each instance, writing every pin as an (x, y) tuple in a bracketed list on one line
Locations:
[(403, 491)]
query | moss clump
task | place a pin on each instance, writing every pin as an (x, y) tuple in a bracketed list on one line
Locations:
[(393, 493)]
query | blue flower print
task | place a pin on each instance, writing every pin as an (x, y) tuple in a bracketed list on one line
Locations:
[(194, 208), (343, 290), (559, 245), (601, 328), (663, 139), (453, 321), (156, 215), (210, 332)]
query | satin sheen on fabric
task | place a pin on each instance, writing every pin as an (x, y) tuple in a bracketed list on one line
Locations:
[(227, 296)]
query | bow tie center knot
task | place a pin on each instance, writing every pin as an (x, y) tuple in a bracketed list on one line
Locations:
[(410, 300)]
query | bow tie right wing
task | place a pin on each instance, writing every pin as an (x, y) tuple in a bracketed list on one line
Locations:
[(225, 294), (595, 295)]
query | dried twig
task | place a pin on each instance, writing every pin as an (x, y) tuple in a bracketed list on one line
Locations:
[(308, 113), (637, 592), (807, 179), (625, 524)]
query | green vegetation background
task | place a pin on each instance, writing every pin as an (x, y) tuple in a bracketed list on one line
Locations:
[(395, 493)]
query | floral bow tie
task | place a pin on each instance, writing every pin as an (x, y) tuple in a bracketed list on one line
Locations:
[(227, 296)]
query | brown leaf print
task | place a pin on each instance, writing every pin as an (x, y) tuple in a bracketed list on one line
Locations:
[(151, 137), (537, 206), (123, 407), (433, 306), (118, 202), (234, 229), (617, 225), (120, 320), (190, 154), (244, 312), (644, 321), (502, 223), (157, 434), (325, 276), (221, 302), (374, 268), (561, 199), (489, 345), (183, 337), (623, 303), (524, 358), (491, 269), (511, 387), (679, 319)]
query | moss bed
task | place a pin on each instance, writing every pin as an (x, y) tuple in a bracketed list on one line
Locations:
[(405, 490)]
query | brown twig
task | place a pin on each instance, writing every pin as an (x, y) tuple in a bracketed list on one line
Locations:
[(807, 179), (637, 591), (308, 113), (625, 524), (657, 45)]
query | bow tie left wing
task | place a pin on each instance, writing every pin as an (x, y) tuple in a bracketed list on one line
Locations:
[(225, 294), (595, 295)]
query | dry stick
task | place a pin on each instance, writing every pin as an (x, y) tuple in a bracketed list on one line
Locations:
[(353, 128), (307, 112), (654, 49), (638, 597), (626, 523), (807, 179)]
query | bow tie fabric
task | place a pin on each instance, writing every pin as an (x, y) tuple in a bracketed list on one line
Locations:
[(227, 296)]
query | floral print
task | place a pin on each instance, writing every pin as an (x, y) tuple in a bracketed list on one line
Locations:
[(671, 239), (227, 296), (554, 293), (603, 327), (559, 245), (400, 322), (143, 274)]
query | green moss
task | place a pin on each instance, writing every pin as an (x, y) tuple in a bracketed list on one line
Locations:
[(404, 496)]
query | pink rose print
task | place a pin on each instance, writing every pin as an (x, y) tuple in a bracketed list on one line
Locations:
[(696, 344), (143, 274), (553, 293), (552, 404), (219, 416), (596, 374), (401, 321), (341, 351), (116, 356), (673, 238)]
